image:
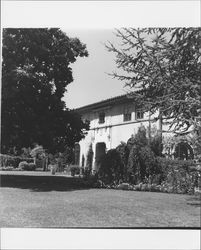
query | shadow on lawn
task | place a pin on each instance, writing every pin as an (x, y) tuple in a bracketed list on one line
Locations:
[(44, 183), (194, 200)]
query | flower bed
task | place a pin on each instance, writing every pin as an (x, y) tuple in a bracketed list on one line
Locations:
[(164, 187)]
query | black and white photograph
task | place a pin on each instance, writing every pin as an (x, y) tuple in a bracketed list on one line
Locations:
[(100, 126)]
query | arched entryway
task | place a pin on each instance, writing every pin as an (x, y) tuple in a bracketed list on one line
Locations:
[(100, 152), (184, 151)]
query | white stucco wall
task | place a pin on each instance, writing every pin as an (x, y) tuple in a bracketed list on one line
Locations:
[(113, 130)]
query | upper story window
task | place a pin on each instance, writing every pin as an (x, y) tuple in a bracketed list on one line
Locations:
[(101, 117), (139, 115), (127, 114), (127, 117)]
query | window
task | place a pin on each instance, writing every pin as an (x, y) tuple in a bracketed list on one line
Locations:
[(101, 117), (127, 113), (127, 117), (139, 115)]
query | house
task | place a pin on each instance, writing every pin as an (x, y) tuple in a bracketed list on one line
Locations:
[(111, 121)]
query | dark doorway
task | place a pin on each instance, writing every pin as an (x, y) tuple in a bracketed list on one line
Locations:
[(100, 152), (77, 154), (184, 151)]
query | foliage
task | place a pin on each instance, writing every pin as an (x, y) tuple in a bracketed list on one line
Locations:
[(171, 143), (137, 163), (74, 169), (27, 166), (86, 172), (139, 139), (141, 159), (68, 155), (26, 152), (132, 162), (37, 151), (111, 168), (133, 167), (35, 73), (89, 159), (8, 161), (83, 160), (162, 66), (7, 168), (148, 163), (123, 151), (178, 176), (148, 172), (53, 168), (156, 144)]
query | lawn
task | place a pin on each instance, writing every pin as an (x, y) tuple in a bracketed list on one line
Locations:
[(27, 207)]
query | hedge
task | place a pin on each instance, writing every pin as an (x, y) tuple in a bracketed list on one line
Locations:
[(23, 165), (178, 176), (12, 161)]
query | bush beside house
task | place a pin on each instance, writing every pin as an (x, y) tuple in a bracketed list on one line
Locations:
[(138, 165)]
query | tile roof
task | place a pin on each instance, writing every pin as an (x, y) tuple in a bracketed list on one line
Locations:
[(114, 100)]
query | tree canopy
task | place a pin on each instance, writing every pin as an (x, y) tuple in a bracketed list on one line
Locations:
[(162, 68), (35, 73)]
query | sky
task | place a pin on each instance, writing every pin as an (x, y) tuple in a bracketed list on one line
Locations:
[(92, 82), (94, 22)]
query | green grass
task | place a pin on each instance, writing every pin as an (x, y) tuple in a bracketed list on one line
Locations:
[(25, 207)]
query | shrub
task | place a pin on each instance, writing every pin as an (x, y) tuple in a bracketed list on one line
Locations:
[(123, 151), (25, 152), (7, 160), (53, 168), (83, 160), (38, 163), (148, 163), (142, 164), (89, 159), (139, 139), (31, 167), (156, 144), (137, 164), (7, 168), (38, 150), (111, 168), (12, 161), (133, 167), (74, 169), (178, 176), (68, 155), (86, 172), (123, 186), (27, 166)]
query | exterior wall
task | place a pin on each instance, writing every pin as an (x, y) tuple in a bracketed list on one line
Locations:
[(113, 130)]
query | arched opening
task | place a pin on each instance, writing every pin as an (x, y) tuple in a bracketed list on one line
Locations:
[(77, 154), (184, 151), (100, 152)]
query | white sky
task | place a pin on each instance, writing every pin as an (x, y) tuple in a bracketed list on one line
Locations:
[(93, 22), (91, 80)]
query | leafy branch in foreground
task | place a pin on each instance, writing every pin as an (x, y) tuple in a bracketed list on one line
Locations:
[(162, 69)]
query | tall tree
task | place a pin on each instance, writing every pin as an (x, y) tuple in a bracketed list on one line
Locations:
[(162, 66), (35, 73)]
